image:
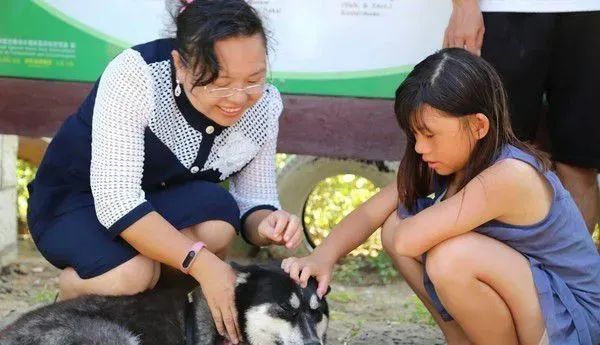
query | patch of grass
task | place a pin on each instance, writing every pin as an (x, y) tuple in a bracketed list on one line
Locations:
[(343, 297), (43, 297), (378, 268), (419, 313), (25, 174), (384, 267), (338, 316), (332, 200), (349, 271), (356, 328)]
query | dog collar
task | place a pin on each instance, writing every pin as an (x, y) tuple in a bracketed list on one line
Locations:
[(188, 320)]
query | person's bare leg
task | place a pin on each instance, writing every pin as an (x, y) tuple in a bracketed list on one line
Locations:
[(582, 183), (488, 288), (131, 277), (217, 235), (412, 271)]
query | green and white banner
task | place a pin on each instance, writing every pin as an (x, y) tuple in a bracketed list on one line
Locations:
[(360, 48)]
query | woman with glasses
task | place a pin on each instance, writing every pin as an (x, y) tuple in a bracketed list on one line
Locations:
[(131, 180)]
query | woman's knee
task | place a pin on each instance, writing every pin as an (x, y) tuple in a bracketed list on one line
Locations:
[(451, 260), (216, 234), (137, 275), (133, 276)]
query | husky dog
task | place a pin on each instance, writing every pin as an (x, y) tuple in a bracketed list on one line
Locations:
[(272, 308)]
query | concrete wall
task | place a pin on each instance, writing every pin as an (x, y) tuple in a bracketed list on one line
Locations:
[(8, 198)]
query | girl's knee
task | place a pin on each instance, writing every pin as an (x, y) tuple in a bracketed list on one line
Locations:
[(387, 240), (450, 260)]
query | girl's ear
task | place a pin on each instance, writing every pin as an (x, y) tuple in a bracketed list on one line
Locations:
[(480, 126)]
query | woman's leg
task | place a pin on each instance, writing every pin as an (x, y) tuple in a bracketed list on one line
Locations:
[(131, 277), (488, 288), (140, 273), (101, 265), (217, 235), (412, 270)]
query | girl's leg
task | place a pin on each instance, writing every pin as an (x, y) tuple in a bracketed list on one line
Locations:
[(488, 288), (412, 270)]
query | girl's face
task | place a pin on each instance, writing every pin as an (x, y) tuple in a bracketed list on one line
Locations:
[(240, 84), (444, 142)]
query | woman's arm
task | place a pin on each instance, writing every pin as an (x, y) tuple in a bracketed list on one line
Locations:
[(123, 105), (158, 240), (121, 110), (255, 187)]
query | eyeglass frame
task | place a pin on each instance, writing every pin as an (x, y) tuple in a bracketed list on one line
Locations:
[(233, 90)]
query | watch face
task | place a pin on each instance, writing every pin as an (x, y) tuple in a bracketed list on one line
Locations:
[(188, 259)]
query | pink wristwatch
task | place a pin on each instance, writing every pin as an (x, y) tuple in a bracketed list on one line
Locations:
[(191, 257)]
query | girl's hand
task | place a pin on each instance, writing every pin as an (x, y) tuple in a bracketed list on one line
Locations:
[(281, 228), (465, 28), (217, 280), (301, 269)]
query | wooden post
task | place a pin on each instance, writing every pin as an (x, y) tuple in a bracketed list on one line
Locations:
[(8, 199)]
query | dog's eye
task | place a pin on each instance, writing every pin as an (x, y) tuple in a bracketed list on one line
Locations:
[(288, 309)]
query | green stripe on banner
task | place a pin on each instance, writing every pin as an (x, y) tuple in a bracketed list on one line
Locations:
[(35, 43)]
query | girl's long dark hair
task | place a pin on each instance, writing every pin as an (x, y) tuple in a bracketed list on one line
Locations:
[(457, 83)]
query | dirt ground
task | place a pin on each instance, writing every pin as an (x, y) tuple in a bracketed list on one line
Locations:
[(360, 315)]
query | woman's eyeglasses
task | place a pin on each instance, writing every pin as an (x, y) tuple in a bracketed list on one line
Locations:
[(224, 92)]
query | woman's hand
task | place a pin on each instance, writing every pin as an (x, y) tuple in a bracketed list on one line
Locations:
[(465, 28), (301, 269), (281, 228), (217, 280)]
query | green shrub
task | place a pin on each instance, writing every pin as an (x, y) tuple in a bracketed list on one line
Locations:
[(25, 174)]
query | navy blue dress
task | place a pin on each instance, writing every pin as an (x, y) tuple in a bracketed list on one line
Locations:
[(133, 147)]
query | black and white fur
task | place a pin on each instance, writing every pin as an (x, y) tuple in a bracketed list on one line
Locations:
[(272, 308)]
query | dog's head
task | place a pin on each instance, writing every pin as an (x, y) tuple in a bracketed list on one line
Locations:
[(274, 310)]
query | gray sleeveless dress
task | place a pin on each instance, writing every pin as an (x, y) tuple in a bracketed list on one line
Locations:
[(563, 258)]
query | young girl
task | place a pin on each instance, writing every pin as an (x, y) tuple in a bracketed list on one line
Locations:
[(131, 179), (500, 254)]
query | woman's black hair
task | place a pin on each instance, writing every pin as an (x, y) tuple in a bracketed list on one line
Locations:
[(201, 23), (457, 83)]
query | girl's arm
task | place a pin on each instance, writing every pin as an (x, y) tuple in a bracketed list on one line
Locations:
[(499, 191), (355, 228)]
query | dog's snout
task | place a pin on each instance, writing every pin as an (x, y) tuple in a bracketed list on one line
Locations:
[(313, 342)]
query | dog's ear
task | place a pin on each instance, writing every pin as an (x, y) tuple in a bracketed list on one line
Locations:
[(313, 283), (270, 266), (238, 267)]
